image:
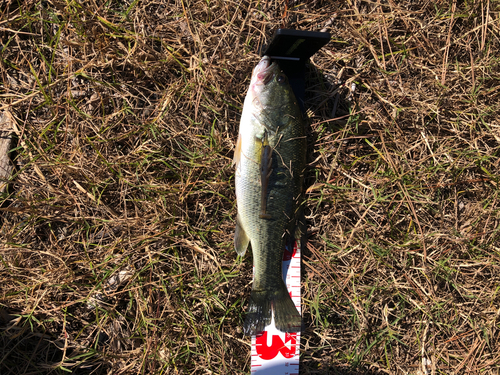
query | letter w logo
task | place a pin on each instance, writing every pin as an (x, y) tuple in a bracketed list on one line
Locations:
[(287, 348)]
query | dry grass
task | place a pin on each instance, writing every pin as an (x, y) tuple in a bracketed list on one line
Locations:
[(116, 248)]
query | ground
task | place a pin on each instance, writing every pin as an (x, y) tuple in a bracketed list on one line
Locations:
[(116, 252)]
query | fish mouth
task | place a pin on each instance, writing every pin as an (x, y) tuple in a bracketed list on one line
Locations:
[(263, 72)]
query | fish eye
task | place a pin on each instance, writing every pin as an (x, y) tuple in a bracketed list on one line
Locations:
[(281, 78)]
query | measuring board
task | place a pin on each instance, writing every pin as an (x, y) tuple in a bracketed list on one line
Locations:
[(275, 352)]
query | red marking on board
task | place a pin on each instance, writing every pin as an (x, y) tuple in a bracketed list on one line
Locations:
[(277, 346), (287, 255)]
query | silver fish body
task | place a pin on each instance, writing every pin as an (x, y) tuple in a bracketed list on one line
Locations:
[(270, 161)]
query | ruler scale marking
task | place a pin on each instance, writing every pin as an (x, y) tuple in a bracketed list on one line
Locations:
[(274, 352)]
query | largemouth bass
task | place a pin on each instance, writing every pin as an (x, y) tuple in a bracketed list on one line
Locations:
[(270, 161)]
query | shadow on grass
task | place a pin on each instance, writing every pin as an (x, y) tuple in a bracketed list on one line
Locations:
[(331, 102), (337, 370), (26, 350)]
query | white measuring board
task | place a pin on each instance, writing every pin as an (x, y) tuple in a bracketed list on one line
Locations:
[(275, 352)]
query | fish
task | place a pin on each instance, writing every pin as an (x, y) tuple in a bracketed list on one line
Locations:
[(270, 159)]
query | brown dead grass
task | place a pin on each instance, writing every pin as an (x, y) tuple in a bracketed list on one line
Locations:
[(116, 228)]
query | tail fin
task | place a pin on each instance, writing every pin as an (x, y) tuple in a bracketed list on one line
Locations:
[(266, 303)]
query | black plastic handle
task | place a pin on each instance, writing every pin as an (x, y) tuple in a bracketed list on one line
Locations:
[(291, 49)]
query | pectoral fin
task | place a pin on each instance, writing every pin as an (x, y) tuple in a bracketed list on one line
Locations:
[(237, 152), (241, 239)]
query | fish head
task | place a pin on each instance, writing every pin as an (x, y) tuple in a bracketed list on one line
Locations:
[(268, 80), (270, 94)]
